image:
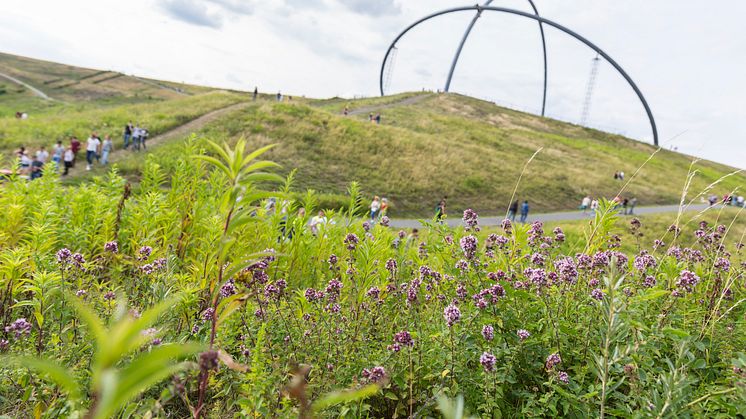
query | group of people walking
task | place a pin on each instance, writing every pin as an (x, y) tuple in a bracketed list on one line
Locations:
[(378, 208), (135, 134)]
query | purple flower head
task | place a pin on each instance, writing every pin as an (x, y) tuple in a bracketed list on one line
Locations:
[(228, 289), (385, 221), (374, 375), (351, 241), (471, 219), (366, 226), (563, 377), (20, 327), (112, 247), (374, 293), (687, 280), (488, 361), (566, 269), (403, 338), (109, 296), (469, 246), (722, 264), (488, 332), (402, 234), (649, 281), (63, 255), (635, 224), (144, 252), (644, 261), (81, 293), (552, 361), (451, 314), (593, 283), (658, 243), (391, 266), (147, 268), (597, 294), (208, 314), (523, 334), (333, 260), (462, 265)]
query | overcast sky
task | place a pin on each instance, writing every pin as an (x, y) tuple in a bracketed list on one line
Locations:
[(687, 57)]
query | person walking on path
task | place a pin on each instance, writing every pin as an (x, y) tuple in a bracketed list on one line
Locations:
[(375, 207), (57, 153), (143, 137), (69, 160), (585, 204), (384, 207), (594, 206), (75, 146), (106, 148), (127, 134), (42, 155), (92, 149), (136, 132), (440, 210), (513, 210), (524, 211), (632, 203)]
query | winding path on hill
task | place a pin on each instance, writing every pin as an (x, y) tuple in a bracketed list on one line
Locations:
[(180, 131), (551, 216), (33, 89)]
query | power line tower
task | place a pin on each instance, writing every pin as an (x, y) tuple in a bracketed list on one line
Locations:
[(589, 90), (390, 68)]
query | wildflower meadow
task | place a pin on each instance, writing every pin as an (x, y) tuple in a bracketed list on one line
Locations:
[(188, 296)]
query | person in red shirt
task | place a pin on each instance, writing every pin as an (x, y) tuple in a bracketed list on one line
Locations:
[(75, 147)]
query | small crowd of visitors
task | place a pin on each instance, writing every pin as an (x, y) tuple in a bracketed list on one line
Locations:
[(727, 199), (513, 210), (378, 208), (136, 135), (626, 204), (619, 175)]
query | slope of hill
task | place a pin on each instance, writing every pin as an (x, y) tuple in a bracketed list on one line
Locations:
[(427, 146), (470, 150)]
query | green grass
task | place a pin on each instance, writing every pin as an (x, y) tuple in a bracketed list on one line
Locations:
[(452, 145)]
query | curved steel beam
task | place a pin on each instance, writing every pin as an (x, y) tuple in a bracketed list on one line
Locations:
[(542, 20), (466, 35)]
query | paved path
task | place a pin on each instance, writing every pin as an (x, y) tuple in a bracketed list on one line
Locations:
[(552, 216), (404, 102), (33, 89)]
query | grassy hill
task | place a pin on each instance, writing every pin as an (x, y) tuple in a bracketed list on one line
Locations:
[(427, 146)]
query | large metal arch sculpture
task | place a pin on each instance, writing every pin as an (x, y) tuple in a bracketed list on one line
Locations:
[(457, 55), (540, 19)]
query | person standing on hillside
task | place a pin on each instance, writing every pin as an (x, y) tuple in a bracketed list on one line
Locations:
[(92, 148), (375, 207), (127, 134), (378, 118), (513, 210), (279, 96), (256, 93), (524, 211), (106, 148), (57, 153), (75, 146), (585, 204), (69, 160), (346, 111)]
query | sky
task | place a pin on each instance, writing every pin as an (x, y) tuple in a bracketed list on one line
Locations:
[(688, 58)]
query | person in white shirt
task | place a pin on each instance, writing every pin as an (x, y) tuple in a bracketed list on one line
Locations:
[(106, 149), (58, 152), (92, 149), (42, 155), (585, 204), (375, 206), (69, 159), (594, 205), (318, 222)]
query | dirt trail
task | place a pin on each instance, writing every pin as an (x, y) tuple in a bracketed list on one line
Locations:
[(179, 131), (33, 89)]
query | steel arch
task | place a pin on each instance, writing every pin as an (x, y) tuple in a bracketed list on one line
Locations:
[(466, 35), (544, 21)]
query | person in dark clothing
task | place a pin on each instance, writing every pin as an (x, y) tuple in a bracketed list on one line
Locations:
[(75, 147), (440, 210), (513, 210), (524, 211), (127, 134), (256, 92)]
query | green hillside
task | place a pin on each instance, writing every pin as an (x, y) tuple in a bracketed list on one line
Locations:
[(427, 145), (470, 150)]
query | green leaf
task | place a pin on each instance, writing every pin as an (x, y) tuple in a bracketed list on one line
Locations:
[(653, 295), (55, 372), (346, 396)]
